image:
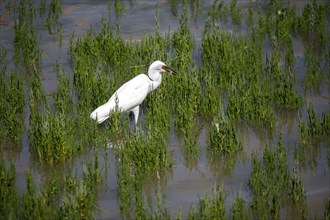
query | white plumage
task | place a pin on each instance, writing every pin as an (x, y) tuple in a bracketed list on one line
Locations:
[(130, 95)]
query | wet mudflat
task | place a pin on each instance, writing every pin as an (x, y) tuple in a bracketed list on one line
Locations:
[(241, 132)]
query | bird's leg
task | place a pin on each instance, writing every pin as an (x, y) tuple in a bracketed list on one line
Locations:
[(136, 111)]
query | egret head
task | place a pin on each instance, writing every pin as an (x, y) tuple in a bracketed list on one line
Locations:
[(161, 67)]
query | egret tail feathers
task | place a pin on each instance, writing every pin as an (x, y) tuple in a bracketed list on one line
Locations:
[(100, 115)]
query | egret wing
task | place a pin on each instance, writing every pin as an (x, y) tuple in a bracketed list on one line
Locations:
[(128, 96), (132, 93)]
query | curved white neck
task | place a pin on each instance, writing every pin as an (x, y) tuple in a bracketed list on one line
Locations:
[(155, 78)]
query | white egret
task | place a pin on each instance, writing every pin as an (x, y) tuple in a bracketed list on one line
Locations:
[(130, 95)]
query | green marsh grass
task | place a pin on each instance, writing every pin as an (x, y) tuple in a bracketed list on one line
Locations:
[(315, 33), (56, 197), (312, 132), (210, 206), (231, 72), (12, 108), (25, 38), (54, 12), (274, 187), (63, 101), (238, 210), (137, 156), (235, 13), (222, 137), (9, 197)]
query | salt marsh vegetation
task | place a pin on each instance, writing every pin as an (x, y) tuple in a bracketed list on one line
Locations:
[(239, 72)]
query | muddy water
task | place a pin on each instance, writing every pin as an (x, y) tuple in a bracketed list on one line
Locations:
[(184, 184)]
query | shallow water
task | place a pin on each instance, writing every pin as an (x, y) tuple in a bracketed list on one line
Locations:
[(183, 185)]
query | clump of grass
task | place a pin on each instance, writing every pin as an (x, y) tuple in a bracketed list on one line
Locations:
[(25, 39), (326, 213), (70, 197), (313, 23), (63, 98), (274, 187), (238, 210), (79, 197), (9, 198), (283, 81), (286, 25), (223, 144), (315, 128), (281, 23), (233, 66), (235, 13), (12, 108), (315, 35), (138, 156), (259, 30), (210, 206), (311, 133), (161, 212), (250, 16), (120, 8), (187, 86), (219, 11), (50, 132), (191, 150), (222, 137), (33, 206), (54, 13), (314, 74)]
